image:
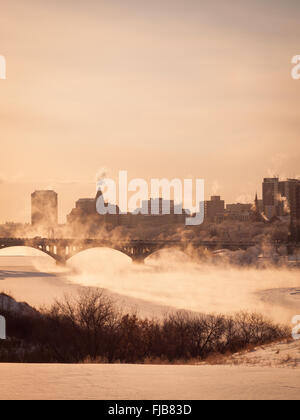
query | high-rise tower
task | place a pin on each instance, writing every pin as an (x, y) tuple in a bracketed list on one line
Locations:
[(44, 209)]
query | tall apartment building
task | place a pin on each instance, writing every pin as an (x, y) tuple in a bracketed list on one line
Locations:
[(271, 197), (289, 190), (44, 209), (282, 198)]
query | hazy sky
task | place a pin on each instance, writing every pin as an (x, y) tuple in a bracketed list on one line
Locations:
[(162, 88)]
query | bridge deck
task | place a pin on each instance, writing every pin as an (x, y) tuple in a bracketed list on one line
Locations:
[(63, 249)]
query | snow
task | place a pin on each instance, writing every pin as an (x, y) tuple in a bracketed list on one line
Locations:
[(9, 304), (146, 382), (284, 354)]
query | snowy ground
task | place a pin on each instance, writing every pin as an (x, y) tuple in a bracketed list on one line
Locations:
[(147, 382), (284, 355)]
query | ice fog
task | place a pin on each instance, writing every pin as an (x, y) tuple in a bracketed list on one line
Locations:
[(169, 280)]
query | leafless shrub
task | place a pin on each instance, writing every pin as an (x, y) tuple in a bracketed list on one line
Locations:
[(89, 329)]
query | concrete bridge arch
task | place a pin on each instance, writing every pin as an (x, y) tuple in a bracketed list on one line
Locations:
[(48, 252), (61, 250)]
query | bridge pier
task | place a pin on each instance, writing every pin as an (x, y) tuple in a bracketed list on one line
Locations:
[(61, 263), (138, 259), (290, 250)]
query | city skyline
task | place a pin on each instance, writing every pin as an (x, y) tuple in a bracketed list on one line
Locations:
[(70, 192), (64, 209), (274, 201)]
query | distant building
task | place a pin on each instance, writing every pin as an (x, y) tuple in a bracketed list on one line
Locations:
[(86, 205), (238, 208), (260, 205), (159, 206), (256, 213), (290, 191), (271, 197), (282, 198), (85, 214), (44, 209), (158, 211), (238, 212), (214, 209)]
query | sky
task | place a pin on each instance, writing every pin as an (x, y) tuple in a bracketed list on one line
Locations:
[(175, 89)]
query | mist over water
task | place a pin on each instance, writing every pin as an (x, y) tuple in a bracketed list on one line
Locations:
[(169, 280)]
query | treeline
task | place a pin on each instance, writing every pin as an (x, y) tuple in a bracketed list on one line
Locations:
[(90, 328)]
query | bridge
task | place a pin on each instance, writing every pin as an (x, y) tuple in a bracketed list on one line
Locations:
[(61, 250)]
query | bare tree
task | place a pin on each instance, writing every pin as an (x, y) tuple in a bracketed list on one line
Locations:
[(89, 315)]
